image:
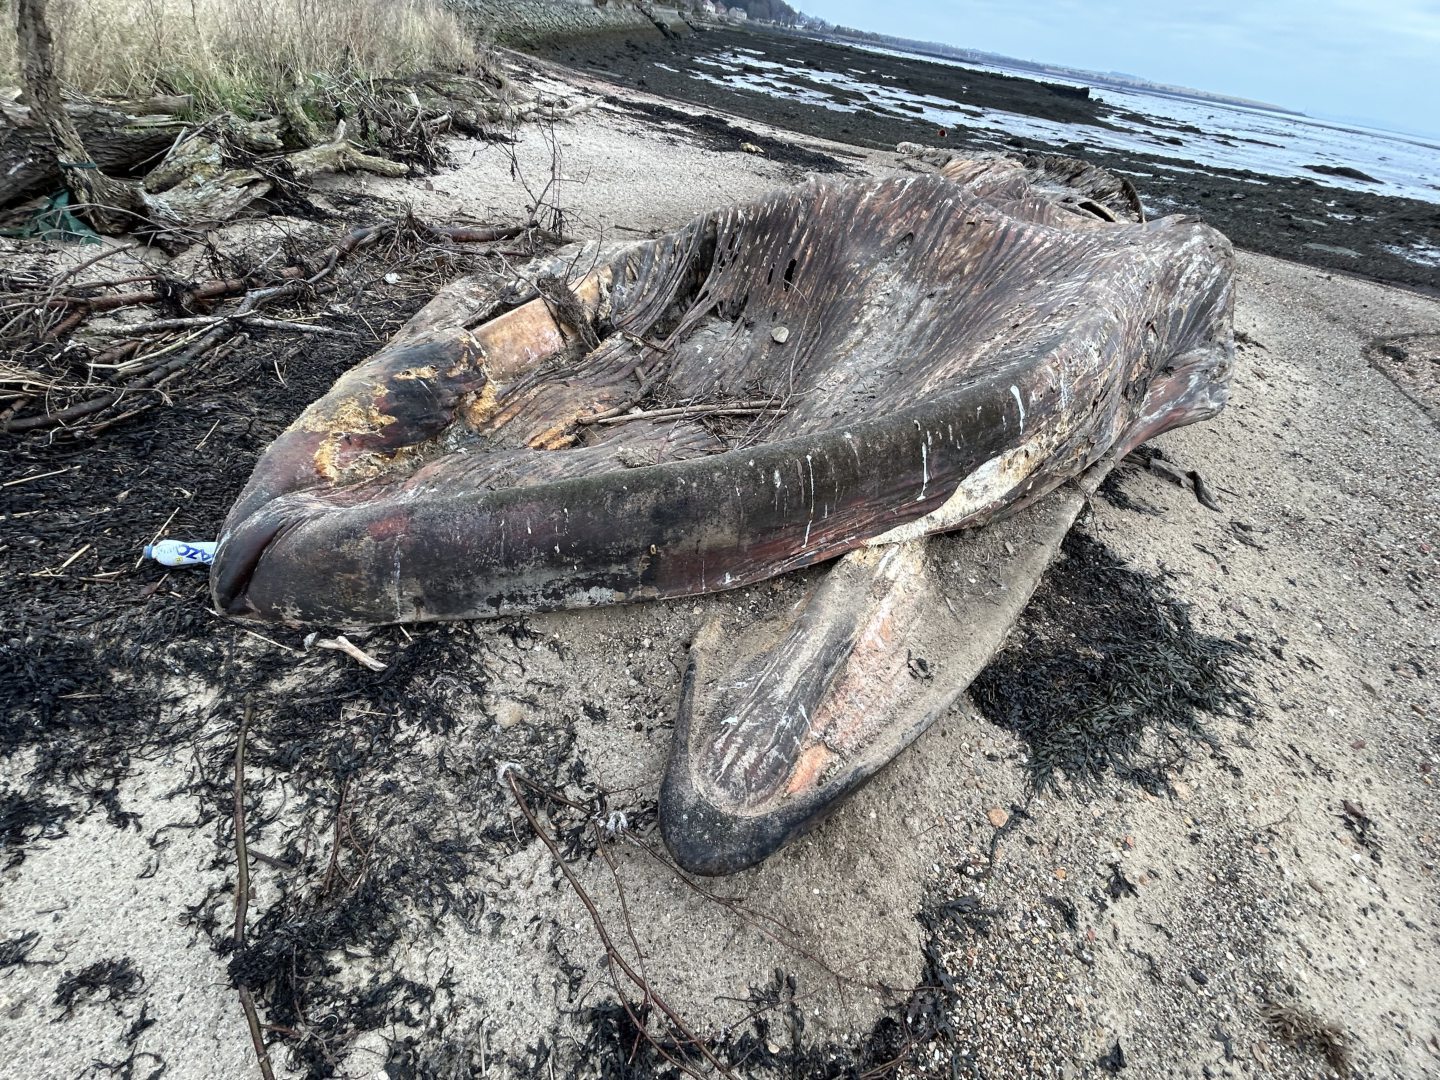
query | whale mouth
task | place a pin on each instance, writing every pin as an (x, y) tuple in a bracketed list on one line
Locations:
[(776, 729), (243, 550), (838, 369), (780, 722)]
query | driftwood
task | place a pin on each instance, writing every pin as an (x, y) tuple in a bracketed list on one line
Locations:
[(219, 170), (118, 138), (195, 184), (194, 187), (939, 351)]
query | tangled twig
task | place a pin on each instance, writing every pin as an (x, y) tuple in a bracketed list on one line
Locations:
[(242, 893), (27, 397), (615, 960)]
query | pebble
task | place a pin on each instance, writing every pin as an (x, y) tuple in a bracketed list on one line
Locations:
[(997, 816), (780, 334)]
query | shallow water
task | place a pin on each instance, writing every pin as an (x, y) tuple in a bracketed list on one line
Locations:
[(1227, 136)]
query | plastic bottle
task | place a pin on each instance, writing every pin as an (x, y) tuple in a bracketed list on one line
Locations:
[(181, 552)]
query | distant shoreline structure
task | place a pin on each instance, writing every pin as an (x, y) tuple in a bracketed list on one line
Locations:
[(1114, 80)]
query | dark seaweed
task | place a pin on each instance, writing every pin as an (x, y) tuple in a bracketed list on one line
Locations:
[(1112, 490), (23, 817), (1106, 673), (107, 664), (15, 950), (112, 980)]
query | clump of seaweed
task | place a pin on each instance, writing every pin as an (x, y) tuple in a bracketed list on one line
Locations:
[(355, 748), (1112, 490), (24, 816), (1301, 1026), (113, 980), (15, 950), (1106, 672)]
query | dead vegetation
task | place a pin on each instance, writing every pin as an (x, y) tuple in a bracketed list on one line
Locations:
[(62, 375), (170, 150), (243, 55)]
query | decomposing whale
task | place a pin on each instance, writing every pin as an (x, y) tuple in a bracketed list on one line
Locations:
[(840, 369)]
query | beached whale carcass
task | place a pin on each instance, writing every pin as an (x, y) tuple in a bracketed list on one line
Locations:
[(841, 367)]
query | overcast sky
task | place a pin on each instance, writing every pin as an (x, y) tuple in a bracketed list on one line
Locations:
[(1372, 61)]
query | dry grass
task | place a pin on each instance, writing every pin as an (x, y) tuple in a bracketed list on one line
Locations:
[(237, 53)]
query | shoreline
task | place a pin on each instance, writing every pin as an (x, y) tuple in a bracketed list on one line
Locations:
[(1297, 219), (1038, 71)]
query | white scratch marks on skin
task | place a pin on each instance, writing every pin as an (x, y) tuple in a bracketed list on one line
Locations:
[(810, 521), (1015, 390), (987, 485), (924, 467)]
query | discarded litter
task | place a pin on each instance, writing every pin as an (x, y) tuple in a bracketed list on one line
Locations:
[(181, 552)]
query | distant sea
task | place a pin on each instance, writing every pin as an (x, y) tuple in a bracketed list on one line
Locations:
[(1190, 130)]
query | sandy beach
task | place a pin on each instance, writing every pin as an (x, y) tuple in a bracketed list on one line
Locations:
[(1261, 903)]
